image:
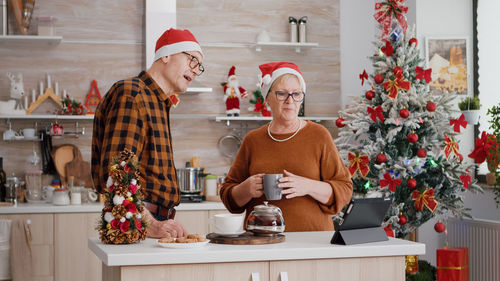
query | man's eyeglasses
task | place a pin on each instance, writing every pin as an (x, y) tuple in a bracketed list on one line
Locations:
[(195, 63), (283, 96)]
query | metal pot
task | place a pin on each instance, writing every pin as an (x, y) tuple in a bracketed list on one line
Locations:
[(190, 179)]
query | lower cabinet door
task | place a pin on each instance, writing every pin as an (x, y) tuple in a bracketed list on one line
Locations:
[(42, 244), (237, 271), (193, 221), (74, 260)]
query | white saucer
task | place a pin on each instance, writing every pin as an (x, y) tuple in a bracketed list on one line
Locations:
[(230, 234)]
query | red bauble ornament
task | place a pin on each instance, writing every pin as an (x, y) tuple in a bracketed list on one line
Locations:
[(413, 40), (412, 138), (404, 113), (411, 183), (381, 158), (431, 106), (379, 78), (422, 153), (369, 95), (398, 71), (339, 123), (439, 227), (402, 220)]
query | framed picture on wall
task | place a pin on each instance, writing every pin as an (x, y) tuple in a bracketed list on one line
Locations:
[(448, 59)]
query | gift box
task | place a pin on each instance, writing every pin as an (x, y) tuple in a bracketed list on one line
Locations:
[(452, 264)]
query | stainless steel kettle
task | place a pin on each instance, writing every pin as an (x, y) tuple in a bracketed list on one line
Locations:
[(190, 179)]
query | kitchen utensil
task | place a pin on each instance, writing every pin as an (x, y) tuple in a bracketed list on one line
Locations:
[(293, 29), (62, 155), (56, 130), (302, 29), (29, 133), (266, 220), (190, 179), (60, 197), (271, 188), (47, 192), (79, 169), (12, 184), (247, 238), (229, 145)]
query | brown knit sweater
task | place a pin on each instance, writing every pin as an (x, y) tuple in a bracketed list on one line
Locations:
[(311, 154)]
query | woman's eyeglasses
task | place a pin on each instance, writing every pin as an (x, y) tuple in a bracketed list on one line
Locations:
[(283, 96), (195, 63)]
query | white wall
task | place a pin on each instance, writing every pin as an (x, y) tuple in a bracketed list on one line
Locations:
[(433, 18)]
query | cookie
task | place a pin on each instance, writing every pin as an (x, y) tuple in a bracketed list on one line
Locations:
[(185, 240), (167, 240), (197, 237)]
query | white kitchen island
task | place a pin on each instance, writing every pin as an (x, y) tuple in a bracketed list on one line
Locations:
[(304, 256)]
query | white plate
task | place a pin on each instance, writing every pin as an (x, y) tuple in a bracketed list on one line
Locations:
[(230, 234), (182, 245)]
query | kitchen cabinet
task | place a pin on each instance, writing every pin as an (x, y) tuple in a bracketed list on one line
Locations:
[(73, 259), (42, 245)]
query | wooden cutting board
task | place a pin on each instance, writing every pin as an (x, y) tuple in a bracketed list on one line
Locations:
[(79, 169), (246, 238), (62, 155)]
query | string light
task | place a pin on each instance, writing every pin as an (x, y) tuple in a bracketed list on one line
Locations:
[(367, 185)]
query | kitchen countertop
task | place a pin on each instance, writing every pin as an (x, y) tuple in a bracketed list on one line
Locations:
[(298, 245), (34, 208)]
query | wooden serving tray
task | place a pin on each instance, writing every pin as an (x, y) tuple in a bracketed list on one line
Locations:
[(246, 238)]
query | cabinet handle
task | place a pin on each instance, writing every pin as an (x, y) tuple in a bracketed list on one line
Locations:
[(283, 276), (255, 276)]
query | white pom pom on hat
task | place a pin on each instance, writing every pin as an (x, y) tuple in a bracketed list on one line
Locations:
[(269, 72), (175, 41)]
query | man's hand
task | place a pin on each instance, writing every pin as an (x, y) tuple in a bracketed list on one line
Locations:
[(160, 229)]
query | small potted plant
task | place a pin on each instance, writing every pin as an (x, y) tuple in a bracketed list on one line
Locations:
[(470, 108)]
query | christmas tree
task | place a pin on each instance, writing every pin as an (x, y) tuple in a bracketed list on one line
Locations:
[(398, 139)]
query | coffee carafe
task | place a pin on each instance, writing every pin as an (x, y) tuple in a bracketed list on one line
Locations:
[(11, 186)]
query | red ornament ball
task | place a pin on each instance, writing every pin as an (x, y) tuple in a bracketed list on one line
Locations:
[(412, 138), (439, 227), (422, 153), (413, 40), (379, 78), (369, 95), (411, 183), (431, 106), (402, 220), (397, 71), (404, 113), (339, 123), (381, 158)]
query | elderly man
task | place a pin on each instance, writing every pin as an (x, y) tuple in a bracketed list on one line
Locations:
[(134, 115)]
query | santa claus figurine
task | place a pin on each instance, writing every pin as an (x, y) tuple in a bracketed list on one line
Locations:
[(232, 94)]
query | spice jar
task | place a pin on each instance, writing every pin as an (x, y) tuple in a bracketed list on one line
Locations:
[(266, 220)]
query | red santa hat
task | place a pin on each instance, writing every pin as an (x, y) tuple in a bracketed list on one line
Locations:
[(269, 72), (174, 41), (231, 72)]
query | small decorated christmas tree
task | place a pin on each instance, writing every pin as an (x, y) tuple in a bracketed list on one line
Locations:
[(121, 221), (398, 139)]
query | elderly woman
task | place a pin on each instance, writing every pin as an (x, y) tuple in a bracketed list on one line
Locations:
[(315, 182)]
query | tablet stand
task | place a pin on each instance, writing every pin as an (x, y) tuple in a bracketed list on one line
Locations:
[(358, 236)]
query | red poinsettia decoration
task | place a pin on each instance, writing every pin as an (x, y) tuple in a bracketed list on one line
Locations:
[(487, 148)]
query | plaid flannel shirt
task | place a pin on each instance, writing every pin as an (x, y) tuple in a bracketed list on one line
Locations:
[(134, 114)]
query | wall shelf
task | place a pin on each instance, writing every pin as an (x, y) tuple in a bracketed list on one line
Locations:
[(48, 116), (193, 90), (297, 46), (31, 39), (228, 119)]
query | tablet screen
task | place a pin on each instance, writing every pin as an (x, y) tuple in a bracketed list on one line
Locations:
[(364, 213)]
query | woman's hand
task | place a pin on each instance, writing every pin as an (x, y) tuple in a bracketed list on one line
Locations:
[(250, 188), (294, 186)]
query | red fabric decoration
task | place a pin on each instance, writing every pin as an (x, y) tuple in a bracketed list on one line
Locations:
[(424, 74), (451, 146), (393, 86), (388, 230), (425, 198), (359, 162), (363, 76), (124, 226), (388, 49), (174, 99), (481, 149), (388, 180), (456, 123), (138, 224), (466, 179), (385, 12), (452, 264), (115, 224), (376, 112)]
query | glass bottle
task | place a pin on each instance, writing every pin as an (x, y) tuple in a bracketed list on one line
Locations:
[(3, 179)]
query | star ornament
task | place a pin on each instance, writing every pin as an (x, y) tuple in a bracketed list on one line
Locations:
[(390, 182), (456, 123)]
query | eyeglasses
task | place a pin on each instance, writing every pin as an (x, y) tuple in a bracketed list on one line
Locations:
[(283, 96), (195, 63)]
